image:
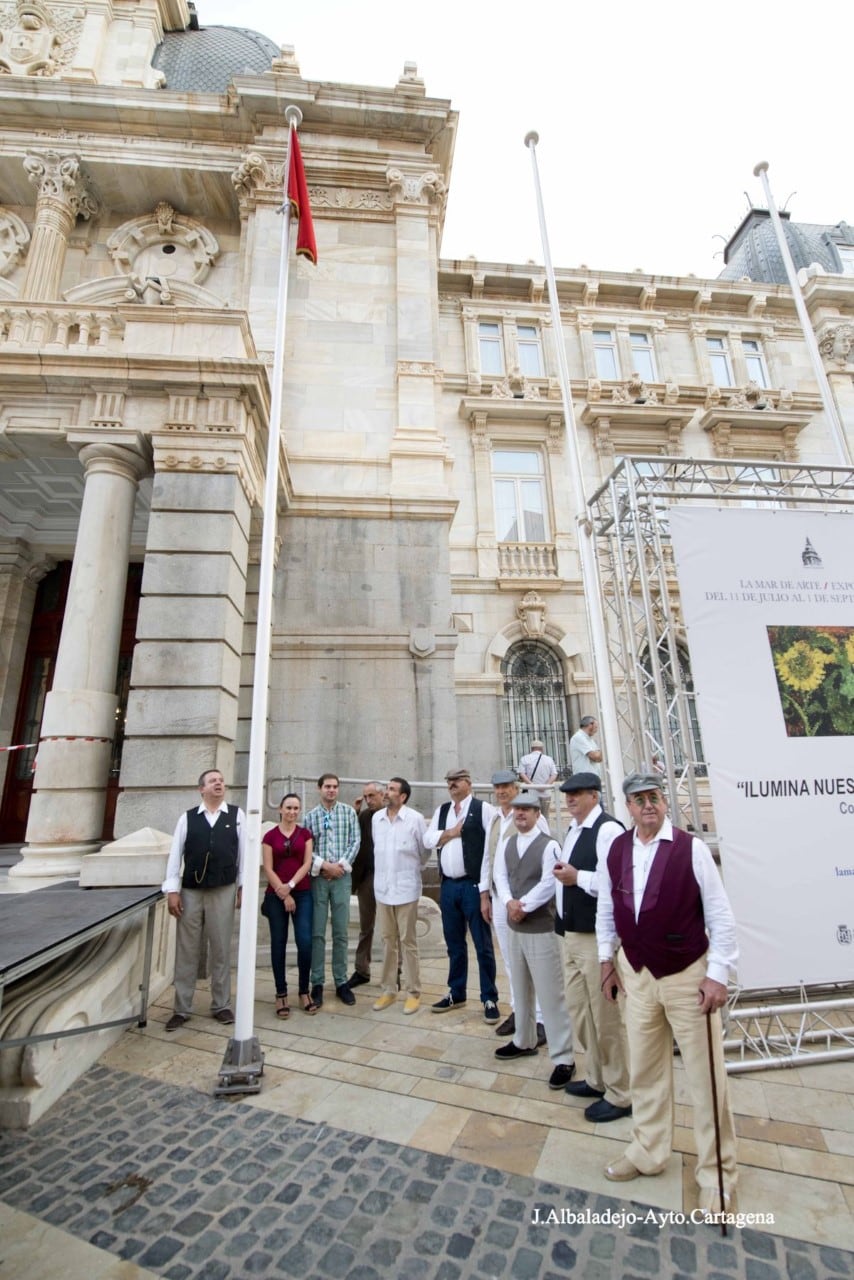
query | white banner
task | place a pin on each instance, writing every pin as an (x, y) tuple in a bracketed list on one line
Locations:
[(768, 602)]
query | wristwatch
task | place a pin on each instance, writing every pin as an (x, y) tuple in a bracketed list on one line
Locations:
[(291, 885)]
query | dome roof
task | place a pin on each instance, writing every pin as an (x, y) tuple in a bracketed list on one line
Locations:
[(206, 60), (753, 251)]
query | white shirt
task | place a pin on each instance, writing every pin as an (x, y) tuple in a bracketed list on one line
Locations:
[(451, 854), (172, 883), (579, 745), (605, 837), (722, 955), (544, 890), (506, 828), (398, 855), (544, 770)]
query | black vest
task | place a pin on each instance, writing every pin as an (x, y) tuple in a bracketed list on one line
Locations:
[(579, 907), (473, 837), (210, 852)]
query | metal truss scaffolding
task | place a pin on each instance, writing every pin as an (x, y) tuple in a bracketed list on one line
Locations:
[(650, 669)]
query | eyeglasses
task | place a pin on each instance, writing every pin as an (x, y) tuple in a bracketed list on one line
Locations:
[(646, 797)]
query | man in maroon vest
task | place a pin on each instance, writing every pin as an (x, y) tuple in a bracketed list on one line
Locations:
[(660, 894)]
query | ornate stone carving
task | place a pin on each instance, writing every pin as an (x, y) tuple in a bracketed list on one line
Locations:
[(256, 175), (37, 39), (531, 612), (14, 238), (416, 368), (347, 198), (750, 397), (422, 642), (501, 390), (837, 343), (531, 390), (59, 180), (158, 246), (479, 434), (416, 188)]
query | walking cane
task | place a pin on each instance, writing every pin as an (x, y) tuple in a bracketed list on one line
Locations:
[(717, 1118)]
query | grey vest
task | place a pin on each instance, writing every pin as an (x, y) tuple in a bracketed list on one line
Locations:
[(524, 874)]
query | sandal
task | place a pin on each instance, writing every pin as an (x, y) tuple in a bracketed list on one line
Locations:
[(308, 1005), (282, 1009)]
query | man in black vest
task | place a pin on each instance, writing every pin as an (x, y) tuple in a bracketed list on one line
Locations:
[(458, 832), (203, 882), (596, 1022)]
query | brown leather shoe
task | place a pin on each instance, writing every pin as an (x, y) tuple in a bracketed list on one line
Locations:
[(225, 1016), (621, 1170), (175, 1022)]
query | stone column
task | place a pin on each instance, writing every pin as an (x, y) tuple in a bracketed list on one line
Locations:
[(419, 454), (67, 808), (63, 197), (21, 570)]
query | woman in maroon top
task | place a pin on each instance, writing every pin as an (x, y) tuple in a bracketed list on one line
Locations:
[(286, 851)]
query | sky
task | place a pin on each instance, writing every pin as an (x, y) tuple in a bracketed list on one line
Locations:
[(651, 116)]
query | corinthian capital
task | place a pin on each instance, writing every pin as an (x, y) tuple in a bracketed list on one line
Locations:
[(256, 177), (59, 178), (416, 188)]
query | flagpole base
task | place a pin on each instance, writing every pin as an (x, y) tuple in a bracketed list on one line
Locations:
[(242, 1068)]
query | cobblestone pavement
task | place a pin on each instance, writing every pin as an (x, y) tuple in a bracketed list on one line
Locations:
[(190, 1187)]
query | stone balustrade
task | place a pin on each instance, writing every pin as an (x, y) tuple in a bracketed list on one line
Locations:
[(59, 328), (527, 560)]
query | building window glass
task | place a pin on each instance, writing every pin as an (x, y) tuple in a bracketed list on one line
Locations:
[(719, 361), (520, 508), (643, 357), (605, 353), (534, 702), (489, 337), (530, 351), (755, 362)]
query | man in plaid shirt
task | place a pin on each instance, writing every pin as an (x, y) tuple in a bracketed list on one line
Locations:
[(335, 830)]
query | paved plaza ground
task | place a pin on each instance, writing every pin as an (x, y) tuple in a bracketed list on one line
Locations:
[(384, 1146)]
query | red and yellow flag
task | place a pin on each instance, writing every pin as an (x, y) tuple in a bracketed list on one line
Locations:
[(300, 206)]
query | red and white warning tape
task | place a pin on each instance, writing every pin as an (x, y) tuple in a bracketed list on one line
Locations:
[(78, 737)]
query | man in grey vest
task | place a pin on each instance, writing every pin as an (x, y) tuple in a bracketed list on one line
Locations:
[(596, 1023), (526, 886), (203, 882)]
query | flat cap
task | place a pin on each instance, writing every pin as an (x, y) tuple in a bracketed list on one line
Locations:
[(457, 775), (526, 800), (636, 782), (503, 776), (582, 782)]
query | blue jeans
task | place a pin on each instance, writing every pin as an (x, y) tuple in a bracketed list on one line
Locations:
[(280, 920), (459, 902)]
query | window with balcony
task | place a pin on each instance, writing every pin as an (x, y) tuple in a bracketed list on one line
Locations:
[(520, 506), (535, 704)]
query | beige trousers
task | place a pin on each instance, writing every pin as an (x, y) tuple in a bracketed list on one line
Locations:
[(596, 1023), (208, 914), (398, 931), (657, 1010)]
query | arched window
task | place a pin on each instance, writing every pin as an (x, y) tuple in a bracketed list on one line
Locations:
[(534, 702)]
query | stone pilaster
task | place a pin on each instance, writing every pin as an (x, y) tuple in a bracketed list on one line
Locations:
[(185, 680), (21, 570), (419, 457), (67, 808), (63, 196)]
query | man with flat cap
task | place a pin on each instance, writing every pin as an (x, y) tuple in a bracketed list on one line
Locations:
[(457, 832), (526, 886), (597, 1024), (505, 789), (661, 895)]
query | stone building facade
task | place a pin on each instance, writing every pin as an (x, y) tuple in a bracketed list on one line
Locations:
[(428, 605)]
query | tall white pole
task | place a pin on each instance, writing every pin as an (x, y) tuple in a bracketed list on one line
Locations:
[(244, 1010), (584, 528), (837, 430)]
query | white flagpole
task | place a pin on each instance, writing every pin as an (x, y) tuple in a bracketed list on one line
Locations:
[(607, 710), (837, 430), (243, 1063)]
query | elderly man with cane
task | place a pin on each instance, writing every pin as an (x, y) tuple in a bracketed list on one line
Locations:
[(660, 894)]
